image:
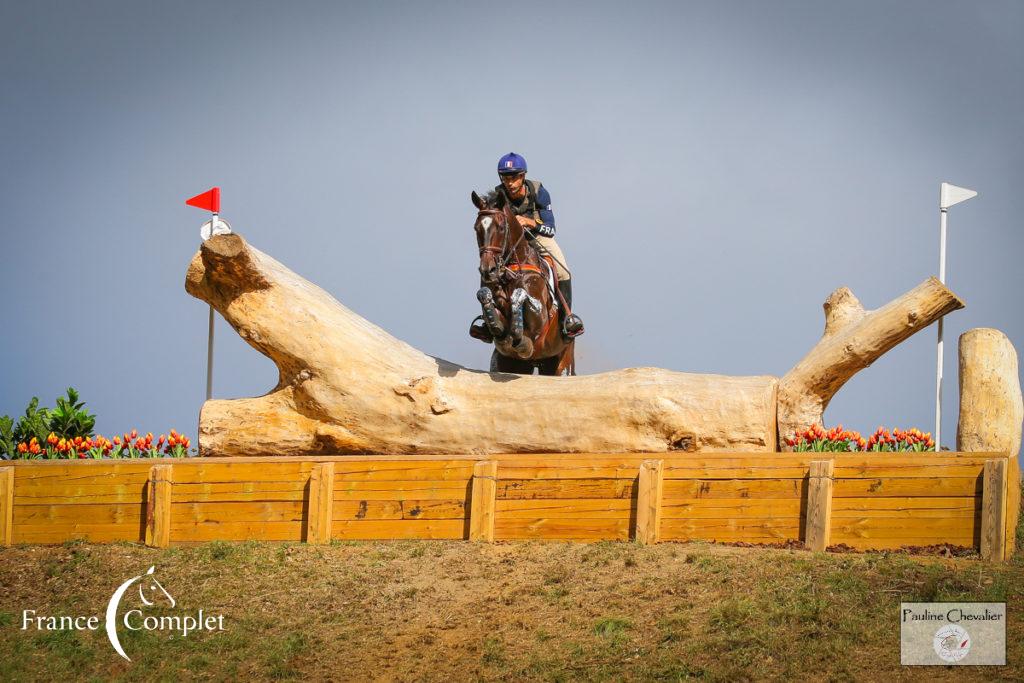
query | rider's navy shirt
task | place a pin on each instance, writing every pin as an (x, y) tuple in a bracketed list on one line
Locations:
[(536, 203)]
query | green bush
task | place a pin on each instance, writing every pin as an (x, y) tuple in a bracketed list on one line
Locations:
[(69, 419)]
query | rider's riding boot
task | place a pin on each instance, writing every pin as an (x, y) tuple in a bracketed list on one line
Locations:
[(572, 326), (478, 330)]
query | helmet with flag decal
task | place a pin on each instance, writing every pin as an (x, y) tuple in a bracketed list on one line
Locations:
[(511, 164)]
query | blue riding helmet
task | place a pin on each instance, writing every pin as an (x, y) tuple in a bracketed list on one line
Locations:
[(511, 164)]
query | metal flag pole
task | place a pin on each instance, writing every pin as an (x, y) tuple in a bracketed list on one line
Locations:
[(209, 200), (209, 342), (949, 195)]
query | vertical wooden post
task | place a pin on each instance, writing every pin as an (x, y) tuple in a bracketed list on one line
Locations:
[(819, 505), (481, 511), (158, 506), (993, 511), (321, 503), (6, 505), (650, 485)]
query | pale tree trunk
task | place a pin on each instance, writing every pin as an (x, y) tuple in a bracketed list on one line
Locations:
[(347, 386)]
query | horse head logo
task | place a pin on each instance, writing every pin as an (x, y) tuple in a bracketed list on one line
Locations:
[(151, 587), (150, 591)]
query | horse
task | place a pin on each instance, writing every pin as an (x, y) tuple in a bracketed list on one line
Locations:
[(517, 295)]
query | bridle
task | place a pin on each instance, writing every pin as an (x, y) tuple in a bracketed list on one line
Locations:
[(502, 254)]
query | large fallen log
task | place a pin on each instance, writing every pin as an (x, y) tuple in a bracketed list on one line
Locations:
[(347, 386)]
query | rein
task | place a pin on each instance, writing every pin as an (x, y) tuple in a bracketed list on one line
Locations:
[(504, 254)]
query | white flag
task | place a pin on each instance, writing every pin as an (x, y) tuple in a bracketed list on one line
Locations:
[(951, 194)]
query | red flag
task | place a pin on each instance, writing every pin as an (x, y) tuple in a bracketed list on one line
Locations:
[(209, 200)]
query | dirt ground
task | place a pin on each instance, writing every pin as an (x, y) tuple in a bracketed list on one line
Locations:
[(454, 611)]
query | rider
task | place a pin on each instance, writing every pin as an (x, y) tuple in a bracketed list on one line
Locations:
[(531, 203)]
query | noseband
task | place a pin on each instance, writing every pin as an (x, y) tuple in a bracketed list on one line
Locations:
[(504, 249)]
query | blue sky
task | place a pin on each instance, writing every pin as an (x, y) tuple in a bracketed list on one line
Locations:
[(716, 168)]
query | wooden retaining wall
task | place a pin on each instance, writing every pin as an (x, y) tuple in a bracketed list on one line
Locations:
[(866, 501)]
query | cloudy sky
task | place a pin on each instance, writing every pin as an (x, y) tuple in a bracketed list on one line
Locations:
[(716, 168)]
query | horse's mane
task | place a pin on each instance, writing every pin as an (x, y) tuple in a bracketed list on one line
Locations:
[(490, 198)]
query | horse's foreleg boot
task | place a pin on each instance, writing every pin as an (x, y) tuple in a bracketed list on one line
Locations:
[(486, 299), (518, 298)]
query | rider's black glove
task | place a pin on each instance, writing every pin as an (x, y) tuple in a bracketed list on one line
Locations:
[(544, 230)]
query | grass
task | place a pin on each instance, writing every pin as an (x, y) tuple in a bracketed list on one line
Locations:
[(452, 611)]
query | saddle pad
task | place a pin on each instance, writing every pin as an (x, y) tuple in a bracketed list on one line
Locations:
[(551, 280)]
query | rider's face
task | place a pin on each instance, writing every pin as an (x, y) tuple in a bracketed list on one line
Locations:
[(514, 183)]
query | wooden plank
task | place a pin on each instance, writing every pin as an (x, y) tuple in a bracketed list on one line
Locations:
[(321, 503), (481, 516), (80, 494), (86, 477), (718, 508), (735, 488), (650, 489), (562, 529), (158, 506), (97, 513), (730, 530), (906, 470), (6, 505), (98, 471), (203, 471), (590, 508), (1013, 505), (399, 509), (567, 470), (192, 532), (526, 489), (960, 506), (908, 529), (399, 529), (260, 511), (915, 487), (401, 490), (252, 491), (819, 505), (94, 533), (993, 512)]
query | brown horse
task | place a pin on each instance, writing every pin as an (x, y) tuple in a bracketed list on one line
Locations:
[(516, 295)]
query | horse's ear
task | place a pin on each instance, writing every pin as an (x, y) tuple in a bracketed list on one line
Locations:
[(477, 202), (499, 200)]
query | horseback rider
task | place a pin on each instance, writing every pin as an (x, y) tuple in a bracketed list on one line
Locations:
[(530, 202)]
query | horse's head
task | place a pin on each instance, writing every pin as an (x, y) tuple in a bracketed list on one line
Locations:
[(497, 232)]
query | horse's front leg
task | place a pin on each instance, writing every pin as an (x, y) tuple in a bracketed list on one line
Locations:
[(522, 345), (492, 316)]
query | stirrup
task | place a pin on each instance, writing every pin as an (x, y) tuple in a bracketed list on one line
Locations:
[(572, 327), (480, 331)]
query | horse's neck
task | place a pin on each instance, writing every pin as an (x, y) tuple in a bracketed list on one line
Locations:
[(525, 252)]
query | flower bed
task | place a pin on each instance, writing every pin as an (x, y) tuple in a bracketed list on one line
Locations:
[(817, 439), (66, 433)]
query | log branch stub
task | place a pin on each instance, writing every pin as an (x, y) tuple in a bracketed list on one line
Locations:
[(853, 340)]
